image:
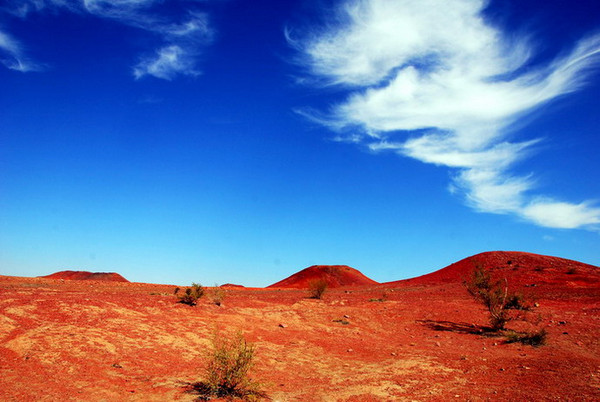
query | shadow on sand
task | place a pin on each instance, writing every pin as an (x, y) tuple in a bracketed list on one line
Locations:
[(459, 327)]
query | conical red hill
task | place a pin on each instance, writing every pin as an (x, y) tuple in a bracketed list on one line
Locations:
[(335, 275), (518, 268), (87, 276)]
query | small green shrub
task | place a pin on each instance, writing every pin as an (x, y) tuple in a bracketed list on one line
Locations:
[(516, 301), (191, 295), (217, 295), (504, 307), (533, 338), (493, 295), (317, 288), (227, 371)]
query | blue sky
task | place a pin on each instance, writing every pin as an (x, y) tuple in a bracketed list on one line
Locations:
[(241, 141)]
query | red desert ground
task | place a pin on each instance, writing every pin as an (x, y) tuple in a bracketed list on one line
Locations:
[(85, 336)]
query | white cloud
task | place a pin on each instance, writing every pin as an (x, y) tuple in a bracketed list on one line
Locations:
[(547, 212), (11, 55), (131, 12), (183, 34), (433, 80), (21, 8), (166, 63)]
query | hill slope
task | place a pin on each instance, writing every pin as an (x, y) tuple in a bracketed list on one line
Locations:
[(335, 275), (518, 267), (87, 276)]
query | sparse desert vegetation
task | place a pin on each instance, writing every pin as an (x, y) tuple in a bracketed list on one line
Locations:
[(533, 338), (317, 288), (217, 295), (191, 295), (503, 306), (493, 295), (227, 373)]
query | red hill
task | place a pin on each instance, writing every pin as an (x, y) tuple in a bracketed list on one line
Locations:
[(518, 267), (335, 275), (87, 276), (232, 286)]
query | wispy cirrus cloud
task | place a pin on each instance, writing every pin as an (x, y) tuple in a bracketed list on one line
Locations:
[(166, 63), (13, 56), (184, 31), (434, 81), (184, 42)]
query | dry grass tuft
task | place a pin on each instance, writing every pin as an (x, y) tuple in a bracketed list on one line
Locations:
[(191, 295), (227, 372), (317, 288)]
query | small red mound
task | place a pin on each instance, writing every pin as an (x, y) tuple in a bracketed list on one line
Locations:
[(87, 276), (518, 267), (232, 286), (336, 276)]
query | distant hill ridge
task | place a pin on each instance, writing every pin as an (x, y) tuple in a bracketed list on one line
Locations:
[(87, 276), (519, 267), (336, 276)]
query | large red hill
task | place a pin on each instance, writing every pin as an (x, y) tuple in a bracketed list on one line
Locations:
[(87, 276), (518, 268), (336, 276)]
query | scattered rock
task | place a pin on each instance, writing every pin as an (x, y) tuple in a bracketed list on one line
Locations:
[(350, 351), (283, 325), (343, 322)]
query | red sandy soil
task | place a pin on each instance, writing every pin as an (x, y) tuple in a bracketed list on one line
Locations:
[(87, 276), (412, 340), (336, 276)]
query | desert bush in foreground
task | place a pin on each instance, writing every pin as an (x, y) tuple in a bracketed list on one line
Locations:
[(317, 288), (227, 371), (493, 295), (504, 307), (191, 295)]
